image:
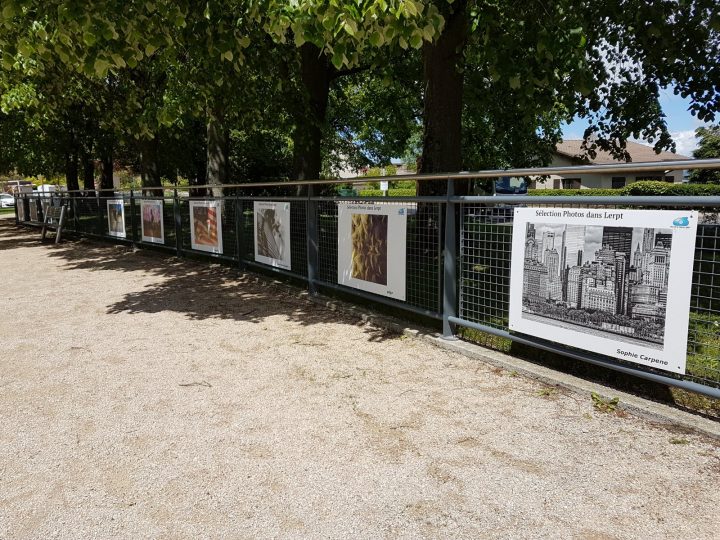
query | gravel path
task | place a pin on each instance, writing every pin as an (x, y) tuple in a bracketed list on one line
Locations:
[(146, 397)]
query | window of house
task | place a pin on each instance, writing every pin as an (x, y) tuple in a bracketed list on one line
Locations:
[(556, 183), (571, 183), (618, 182)]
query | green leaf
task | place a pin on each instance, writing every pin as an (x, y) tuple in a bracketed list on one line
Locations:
[(26, 49), (101, 67), (118, 60), (228, 55), (89, 38), (337, 60), (150, 49), (9, 10), (8, 61), (299, 39), (376, 39), (328, 23), (416, 40), (514, 82)]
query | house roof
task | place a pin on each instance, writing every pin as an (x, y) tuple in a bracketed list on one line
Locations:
[(639, 153)]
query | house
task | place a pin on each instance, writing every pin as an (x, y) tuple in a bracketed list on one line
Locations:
[(569, 153)]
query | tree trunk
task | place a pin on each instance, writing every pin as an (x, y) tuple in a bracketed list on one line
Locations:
[(106, 175), (315, 74), (88, 172), (442, 114), (71, 170), (218, 144), (149, 167)]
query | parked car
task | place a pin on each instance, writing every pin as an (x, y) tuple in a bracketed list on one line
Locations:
[(6, 201)]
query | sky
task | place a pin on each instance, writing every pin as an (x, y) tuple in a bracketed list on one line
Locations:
[(681, 123)]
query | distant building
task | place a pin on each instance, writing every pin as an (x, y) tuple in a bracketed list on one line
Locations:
[(570, 152)]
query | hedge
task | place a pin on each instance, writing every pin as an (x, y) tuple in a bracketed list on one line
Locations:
[(402, 192), (636, 188)]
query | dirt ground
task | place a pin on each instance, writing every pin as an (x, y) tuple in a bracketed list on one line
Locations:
[(142, 396)]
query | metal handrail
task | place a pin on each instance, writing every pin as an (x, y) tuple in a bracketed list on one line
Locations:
[(489, 173)]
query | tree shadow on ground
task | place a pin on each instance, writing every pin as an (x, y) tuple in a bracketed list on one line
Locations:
[(12, 236), (198, 290)]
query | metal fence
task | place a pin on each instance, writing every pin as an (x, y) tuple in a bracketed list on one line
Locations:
[(458, 253)]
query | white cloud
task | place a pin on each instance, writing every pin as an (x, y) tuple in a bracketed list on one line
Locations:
[(685, 141)]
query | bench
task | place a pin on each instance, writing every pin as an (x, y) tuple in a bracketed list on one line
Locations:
[(54, 219)]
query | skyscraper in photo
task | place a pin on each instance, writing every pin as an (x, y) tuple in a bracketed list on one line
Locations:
[(648, 240), (664, 239), (574, 245), (548, 243), (619, 239)]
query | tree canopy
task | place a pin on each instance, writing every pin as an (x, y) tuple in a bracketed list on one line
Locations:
[(708, 148), (228, 90)]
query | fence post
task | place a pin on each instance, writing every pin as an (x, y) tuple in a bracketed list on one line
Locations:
[(449, 264), (311, 219), (239, 232), (99, 213), (178, 223), (132, 217)]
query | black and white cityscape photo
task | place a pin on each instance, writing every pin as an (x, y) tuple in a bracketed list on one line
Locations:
[(600, 280)]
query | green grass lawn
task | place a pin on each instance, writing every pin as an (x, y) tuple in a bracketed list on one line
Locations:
[(10, 210)]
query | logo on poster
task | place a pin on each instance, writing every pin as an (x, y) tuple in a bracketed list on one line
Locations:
[(682, 222)]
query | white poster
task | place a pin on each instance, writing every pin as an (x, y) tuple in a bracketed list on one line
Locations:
[(151, 216), (206, 226), (272, 233), (116, 217), (371, 247), (615, 282)]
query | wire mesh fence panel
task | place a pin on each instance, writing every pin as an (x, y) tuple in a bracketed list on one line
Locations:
[(21, 209), (208, 226), (115, 219), (154, 222), (247, 218), (424, 256), (85, 215), (485, 246), (703, 362), (297, 231), (484, 294), (327, 225), (298, 237)]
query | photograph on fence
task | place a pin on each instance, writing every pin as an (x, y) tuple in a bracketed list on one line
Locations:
[(151, 215), (371, 247), (272, 233), (614, 282), (206, 226), (116, 218), (45, 203), (33, 210)]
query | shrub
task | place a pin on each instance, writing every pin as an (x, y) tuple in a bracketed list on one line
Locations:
[(391, 193), (644, 188)]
